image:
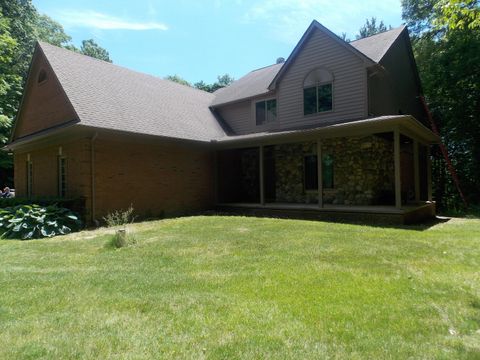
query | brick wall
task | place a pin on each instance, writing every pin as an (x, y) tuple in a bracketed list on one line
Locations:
[(156, 177), (45, 169), (45, 104)]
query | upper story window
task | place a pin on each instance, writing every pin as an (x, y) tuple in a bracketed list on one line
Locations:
[(42, 77), (265, 111), (318, 92)]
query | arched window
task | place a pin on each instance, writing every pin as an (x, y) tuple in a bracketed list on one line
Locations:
[(42, 76), (318, 92)]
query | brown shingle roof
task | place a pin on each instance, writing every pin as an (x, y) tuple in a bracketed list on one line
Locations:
[(257, 82), (112, 97), (253, 84), (109, 96), (376, 46)]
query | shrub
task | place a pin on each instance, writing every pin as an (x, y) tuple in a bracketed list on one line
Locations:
[(121, 239), (120, 217), (77, 205), (35, 221)]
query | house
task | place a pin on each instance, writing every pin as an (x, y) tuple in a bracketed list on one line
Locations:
[(337, 128)]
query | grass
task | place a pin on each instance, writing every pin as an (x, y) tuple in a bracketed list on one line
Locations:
[(234, 287)]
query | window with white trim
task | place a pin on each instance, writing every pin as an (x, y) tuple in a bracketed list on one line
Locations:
[(265, 111), (318, 92)]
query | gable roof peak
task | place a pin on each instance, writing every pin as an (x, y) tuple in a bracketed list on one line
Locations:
[(315, 25), (377, 45), (108, 96)]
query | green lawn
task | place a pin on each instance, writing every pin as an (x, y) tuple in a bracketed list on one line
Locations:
[(235, 287)]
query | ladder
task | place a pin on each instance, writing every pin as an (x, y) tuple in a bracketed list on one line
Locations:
[(444, 151)]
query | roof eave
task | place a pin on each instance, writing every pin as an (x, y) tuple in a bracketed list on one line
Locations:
[(406, 122), (242, 99), (40, 135)]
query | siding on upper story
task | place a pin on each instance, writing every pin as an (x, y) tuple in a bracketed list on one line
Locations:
[(395, 89), (237, 116), (349, 85), (240, 116), (44, 104), (350, 99)]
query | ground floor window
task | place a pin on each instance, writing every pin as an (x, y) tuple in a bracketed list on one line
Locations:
[(62, 177), (311, 172), (327, 171), (29, 178)]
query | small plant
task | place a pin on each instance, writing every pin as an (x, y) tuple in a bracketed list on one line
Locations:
[(120, 217), (121, 239), (35, 221)]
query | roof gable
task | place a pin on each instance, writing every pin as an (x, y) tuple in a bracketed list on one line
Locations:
[(44, 104), (315, 25), (376, 46), (112, 97), (261, 81)]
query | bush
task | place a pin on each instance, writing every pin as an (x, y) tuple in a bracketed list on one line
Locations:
[(77, 205), (120, 217), (122, 238), (35, 221)]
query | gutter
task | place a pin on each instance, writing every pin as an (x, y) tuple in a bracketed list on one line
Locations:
[(92, 169)]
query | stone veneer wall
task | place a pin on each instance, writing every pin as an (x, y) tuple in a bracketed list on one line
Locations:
[(289, 173), (363, 171)]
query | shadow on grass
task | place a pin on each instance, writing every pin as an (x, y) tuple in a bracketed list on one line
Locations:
[(342, 218)]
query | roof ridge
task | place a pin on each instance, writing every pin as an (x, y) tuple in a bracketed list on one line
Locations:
[(380, 33), (43, 43), (264, 67)]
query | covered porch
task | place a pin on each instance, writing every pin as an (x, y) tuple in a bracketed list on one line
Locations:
[(375, 169)]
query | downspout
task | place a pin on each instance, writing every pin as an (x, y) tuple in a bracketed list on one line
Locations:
[(92, 169)]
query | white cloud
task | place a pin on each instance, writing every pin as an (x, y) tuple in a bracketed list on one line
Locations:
[(288, 19), (96, 20)]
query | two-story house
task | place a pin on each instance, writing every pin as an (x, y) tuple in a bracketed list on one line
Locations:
[(336, 128)]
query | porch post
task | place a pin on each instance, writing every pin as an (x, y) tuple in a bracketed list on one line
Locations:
[(429, 174), (215, 177), (319, 173), (262, 190), (396, 156), (416, 170)]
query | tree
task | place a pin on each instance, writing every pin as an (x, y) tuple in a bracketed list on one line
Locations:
[(8, 46), (222, 81), (178, 79), (448, 59), (50, 31), (20, 27), (344, 37), (371, 28), (91, 48), (456, 14)]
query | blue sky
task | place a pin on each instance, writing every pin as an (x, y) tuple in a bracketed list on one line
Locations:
[(201, 39)]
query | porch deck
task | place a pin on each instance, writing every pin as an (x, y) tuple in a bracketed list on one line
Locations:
[(407, 214)]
